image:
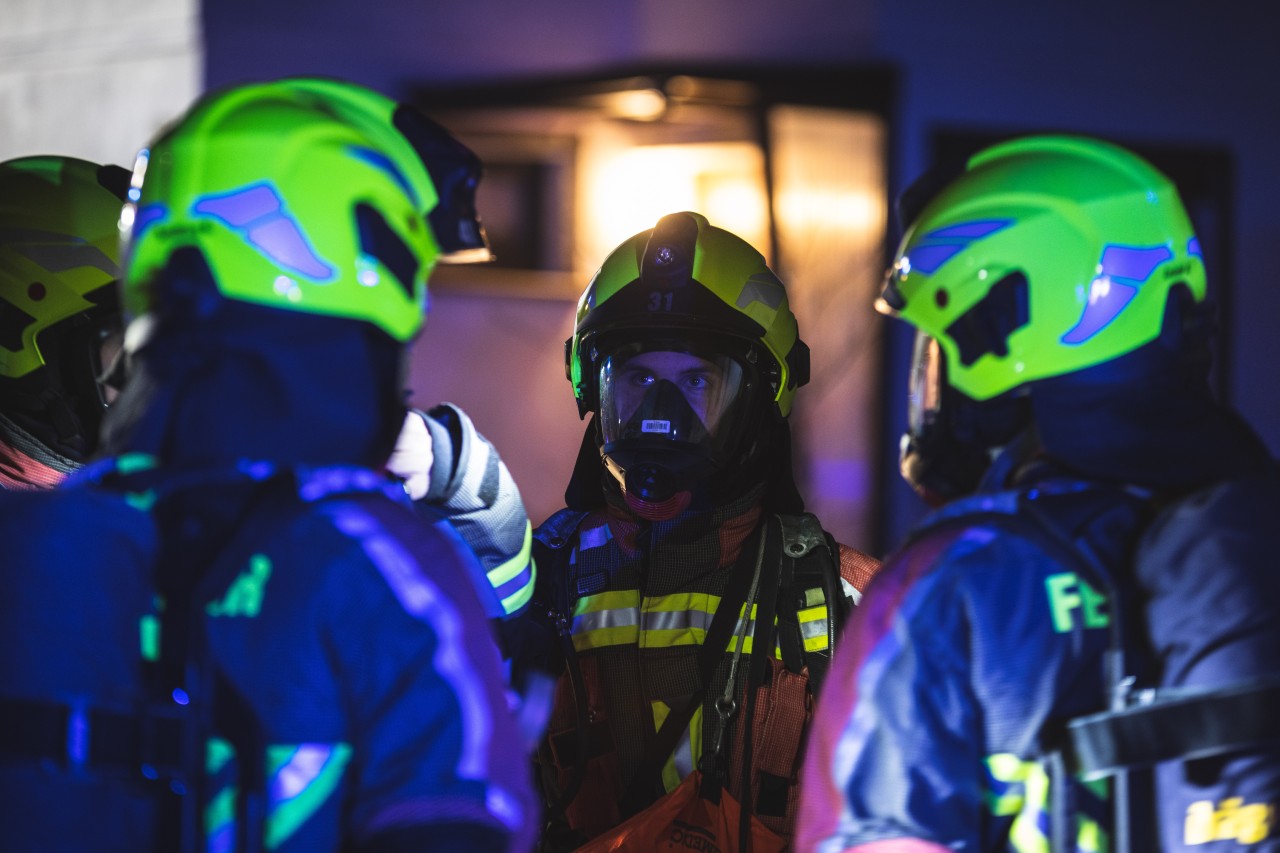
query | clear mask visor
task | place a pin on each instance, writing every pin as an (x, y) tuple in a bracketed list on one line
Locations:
[(658, 396), (924, 394)]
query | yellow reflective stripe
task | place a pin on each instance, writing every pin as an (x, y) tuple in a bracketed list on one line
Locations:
[(680, 619), (519, 598), (499, 575), (814, 597), (1091, 838), (607, 619), (676, 602), (813, 628), (684, 758), (1026, 799), (615, 600), (599, 639), (670, 621)]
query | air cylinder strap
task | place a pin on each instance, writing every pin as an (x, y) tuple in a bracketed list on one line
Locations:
[(710, 654), (1179, 725)]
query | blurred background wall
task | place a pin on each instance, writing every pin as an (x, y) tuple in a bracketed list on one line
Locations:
[(92, 78), (1195, 81)]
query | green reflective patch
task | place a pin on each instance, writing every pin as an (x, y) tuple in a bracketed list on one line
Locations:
[(141, 501), (221, 812), (244, 596), (131, 463), (149, 638), (217, 753), (317, 784)]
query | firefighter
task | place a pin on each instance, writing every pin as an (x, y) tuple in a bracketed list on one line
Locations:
[(59, 368), (1059, 400), (59, 313), (682, 516), (266, 648)]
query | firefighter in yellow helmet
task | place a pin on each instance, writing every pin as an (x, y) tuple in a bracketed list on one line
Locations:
[(682, 516), (59, 312), (234, 631)]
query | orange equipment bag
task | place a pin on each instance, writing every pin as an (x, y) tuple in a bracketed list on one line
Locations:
[(688, 818)]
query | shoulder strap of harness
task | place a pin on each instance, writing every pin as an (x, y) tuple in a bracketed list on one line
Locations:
[(810, 578), (204, 539), (547, 643)]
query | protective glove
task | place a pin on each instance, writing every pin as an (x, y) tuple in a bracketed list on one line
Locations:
[(412, 457), (455, 474)]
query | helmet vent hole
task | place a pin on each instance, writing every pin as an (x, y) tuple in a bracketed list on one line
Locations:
[(985, 328), (36, 291), (941, 297), (12, 321), (378, 241)]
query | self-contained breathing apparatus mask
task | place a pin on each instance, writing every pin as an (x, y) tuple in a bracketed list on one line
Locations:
[(672, 414), (951, 439)]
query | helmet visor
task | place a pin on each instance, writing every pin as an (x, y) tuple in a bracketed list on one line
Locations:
[(924, 394), (659, 395)]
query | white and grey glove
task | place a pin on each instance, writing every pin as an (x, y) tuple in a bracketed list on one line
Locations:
[(445, 463)]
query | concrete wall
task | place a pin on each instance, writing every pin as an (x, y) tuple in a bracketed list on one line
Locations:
[(94, 79)]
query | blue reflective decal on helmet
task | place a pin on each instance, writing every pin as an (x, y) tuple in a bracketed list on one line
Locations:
[(938, 247), (258, 212), (1108, 296), (148, 215), (1132, 262), (381, 161)]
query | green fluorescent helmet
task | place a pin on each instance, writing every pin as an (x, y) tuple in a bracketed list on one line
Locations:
[(453, 170), (59, 253), (1047, 255), (300, 196), (686, 276)]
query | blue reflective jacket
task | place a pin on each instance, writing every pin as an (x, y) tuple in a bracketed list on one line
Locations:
[(974, 645), (350, 630), (985, 633)]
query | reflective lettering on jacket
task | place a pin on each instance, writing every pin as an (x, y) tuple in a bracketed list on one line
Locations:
[(1230, 820), (244, 595), (1071, 598)]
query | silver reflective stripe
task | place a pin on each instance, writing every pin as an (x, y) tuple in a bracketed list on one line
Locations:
[(670, 620), (814, 628), (683, 755), (625, 617)]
